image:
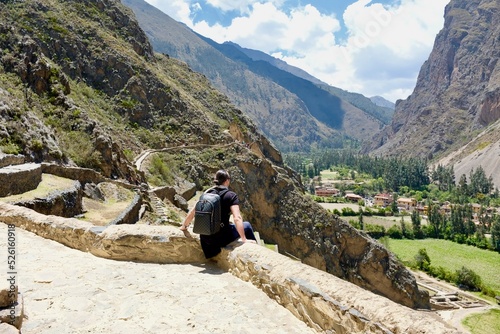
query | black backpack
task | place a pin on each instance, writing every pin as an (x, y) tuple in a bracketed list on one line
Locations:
[(207, 217)]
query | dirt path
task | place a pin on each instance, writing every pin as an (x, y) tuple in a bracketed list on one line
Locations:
[(138, 161), (455, 317)]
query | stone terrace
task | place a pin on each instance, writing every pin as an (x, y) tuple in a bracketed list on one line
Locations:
[(324, 302)]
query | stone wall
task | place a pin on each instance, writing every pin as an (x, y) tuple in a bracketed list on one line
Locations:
[(323, 301), (11, 159), (84, 175), (131, 214), (17, 179), (64, 203)]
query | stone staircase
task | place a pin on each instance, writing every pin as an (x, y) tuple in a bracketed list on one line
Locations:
[(161, 210)]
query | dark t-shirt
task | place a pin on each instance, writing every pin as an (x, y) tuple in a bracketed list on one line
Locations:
[(211, 244), (228, 199)]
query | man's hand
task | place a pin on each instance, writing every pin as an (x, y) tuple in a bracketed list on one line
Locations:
[(247, 240)]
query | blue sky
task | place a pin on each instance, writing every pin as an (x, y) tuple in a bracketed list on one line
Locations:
[(367, 47)]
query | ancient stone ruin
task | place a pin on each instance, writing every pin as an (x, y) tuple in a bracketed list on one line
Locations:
[(323, 301)]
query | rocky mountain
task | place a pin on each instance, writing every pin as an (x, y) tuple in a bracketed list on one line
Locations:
[(454, 109), (86, 89), (380, 101), (377, 106), (291, 107), (257, 55), (81, 86)]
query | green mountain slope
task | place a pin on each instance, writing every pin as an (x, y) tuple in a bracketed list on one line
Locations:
[(383, 112)]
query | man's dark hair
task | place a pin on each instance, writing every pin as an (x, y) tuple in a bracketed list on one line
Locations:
[(221, 176)]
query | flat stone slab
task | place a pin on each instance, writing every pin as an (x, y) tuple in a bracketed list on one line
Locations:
[(19, 168), (68, 291)]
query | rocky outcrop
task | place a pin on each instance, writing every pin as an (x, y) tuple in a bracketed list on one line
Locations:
[(457, 90), (302, 228), (323, 301), (65, 203)]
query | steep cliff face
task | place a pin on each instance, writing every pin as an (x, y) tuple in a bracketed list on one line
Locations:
[(84, 88), (458, 88)]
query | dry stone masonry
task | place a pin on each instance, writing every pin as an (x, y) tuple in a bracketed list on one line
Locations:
[(325, 302), (17, 179)]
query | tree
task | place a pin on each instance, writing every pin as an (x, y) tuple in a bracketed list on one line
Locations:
[(416, 222), (395, 232), (435, 220), (423, 260), (361, 223), (407, 232), (443, 177), (463, 188), (403, 226), (394, 204), (457, 219), (495, 233), (479, 183)]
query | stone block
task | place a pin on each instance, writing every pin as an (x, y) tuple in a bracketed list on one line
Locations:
[(14, 313), (6, 328), (8, 293), (17, 179)]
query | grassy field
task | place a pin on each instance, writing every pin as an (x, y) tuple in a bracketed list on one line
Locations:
[(487, 322), (453, 256), (386, 222), (327, 175)]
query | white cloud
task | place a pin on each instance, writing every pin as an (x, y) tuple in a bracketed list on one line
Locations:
[(267, 28), (243, 6), (380, 55), (179, 10)]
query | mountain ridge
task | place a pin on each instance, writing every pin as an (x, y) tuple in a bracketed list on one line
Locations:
[(278, 103)]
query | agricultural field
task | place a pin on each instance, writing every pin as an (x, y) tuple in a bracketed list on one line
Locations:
[(386, 222), (485, 322), (452, 256)]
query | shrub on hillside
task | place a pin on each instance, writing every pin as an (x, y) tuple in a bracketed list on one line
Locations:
[(355, 224), (468, 279), (348, 212), (395, 232), (442, 273), (375, 231)]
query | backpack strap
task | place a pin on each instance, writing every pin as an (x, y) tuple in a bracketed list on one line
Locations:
[(220, 192)]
